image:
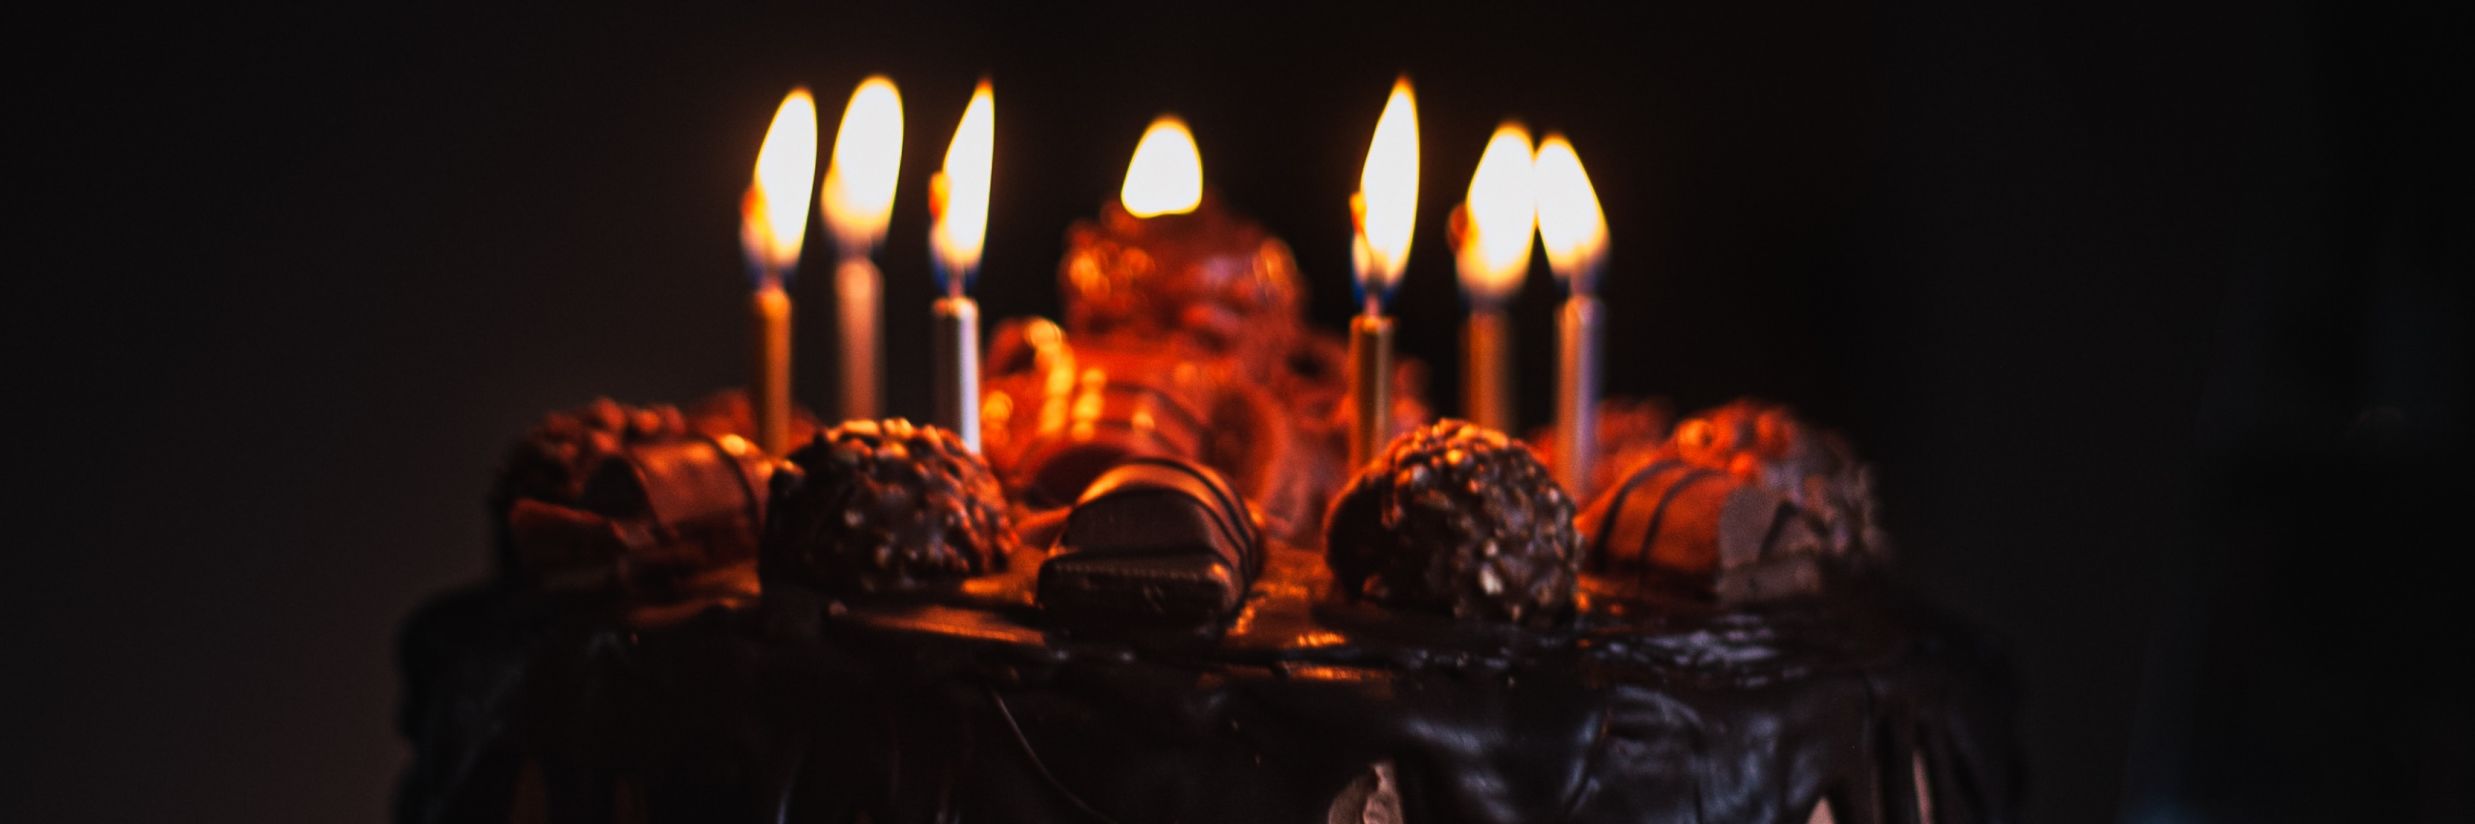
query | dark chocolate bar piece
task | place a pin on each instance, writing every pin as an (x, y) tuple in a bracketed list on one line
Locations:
[(1152, 542), (1705, 532)]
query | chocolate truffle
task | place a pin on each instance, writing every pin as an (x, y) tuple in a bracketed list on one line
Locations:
[(1458, 520), (887, 506)]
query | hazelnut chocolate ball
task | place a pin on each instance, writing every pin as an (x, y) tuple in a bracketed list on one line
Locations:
[(1457, 520), (884, 506)]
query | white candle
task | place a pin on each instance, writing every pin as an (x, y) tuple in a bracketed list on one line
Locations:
[(858, 197), (1575, 234), (958, 197)]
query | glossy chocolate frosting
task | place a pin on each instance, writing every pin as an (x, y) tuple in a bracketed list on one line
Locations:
[(1307, 709)]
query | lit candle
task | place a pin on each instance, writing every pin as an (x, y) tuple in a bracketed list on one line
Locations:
[(773, 222), (1166, 175), (958, 198), (1575, 234), (1493, 231), (858, 196), (1385, 211)]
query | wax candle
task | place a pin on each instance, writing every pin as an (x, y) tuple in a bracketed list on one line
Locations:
[(1166, 175), (1385, 211), (773, 224), (1575, 234), (1491, 240), (858, 197), (958, 197)]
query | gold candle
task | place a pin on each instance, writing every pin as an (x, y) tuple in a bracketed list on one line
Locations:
[(958, 197), (1575, 234), (1491, 239), (773, 224), (860, 301), (1385, 211), (770, 395), (858, 197), (1486, 368)]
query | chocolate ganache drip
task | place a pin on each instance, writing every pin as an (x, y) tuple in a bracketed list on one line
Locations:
[(1458, 520)]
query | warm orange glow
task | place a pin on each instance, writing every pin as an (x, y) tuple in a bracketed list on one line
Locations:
[(774, 215), (1166, 175), (1502, 217), (960, 192), (859, 186), (1387, 202), (1569, 220)]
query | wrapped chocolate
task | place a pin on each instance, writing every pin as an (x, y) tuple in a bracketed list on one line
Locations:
[(1742, 503), (552, 461), (649, 520), (1153, 542), (1057, 414), (1209, 276), (1457, 520)]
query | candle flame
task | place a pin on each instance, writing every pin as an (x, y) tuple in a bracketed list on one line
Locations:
[(1502, 217), (1386, 206), (774, 214), (959, 195), (1166, 175), (859, 186), (1569, 220)]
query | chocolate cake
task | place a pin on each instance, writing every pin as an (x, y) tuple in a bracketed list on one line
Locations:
[(1160, 595)]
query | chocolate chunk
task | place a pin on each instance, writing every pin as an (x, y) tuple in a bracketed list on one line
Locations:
[(1153, 541), (1458, 520)]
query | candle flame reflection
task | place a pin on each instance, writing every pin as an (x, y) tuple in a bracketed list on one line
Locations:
[(1166, 175), (859, 185), (1502, 217), (1569, 220), (958, 196), (774, 214), (1386, 206)]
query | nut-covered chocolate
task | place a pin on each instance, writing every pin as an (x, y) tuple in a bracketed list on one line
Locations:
[(884, 506), (1458, 520)]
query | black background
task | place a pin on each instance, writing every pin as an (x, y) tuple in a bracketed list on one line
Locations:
[(2153, 318)]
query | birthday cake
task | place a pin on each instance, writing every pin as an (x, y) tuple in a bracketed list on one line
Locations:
[(1159, 591)]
